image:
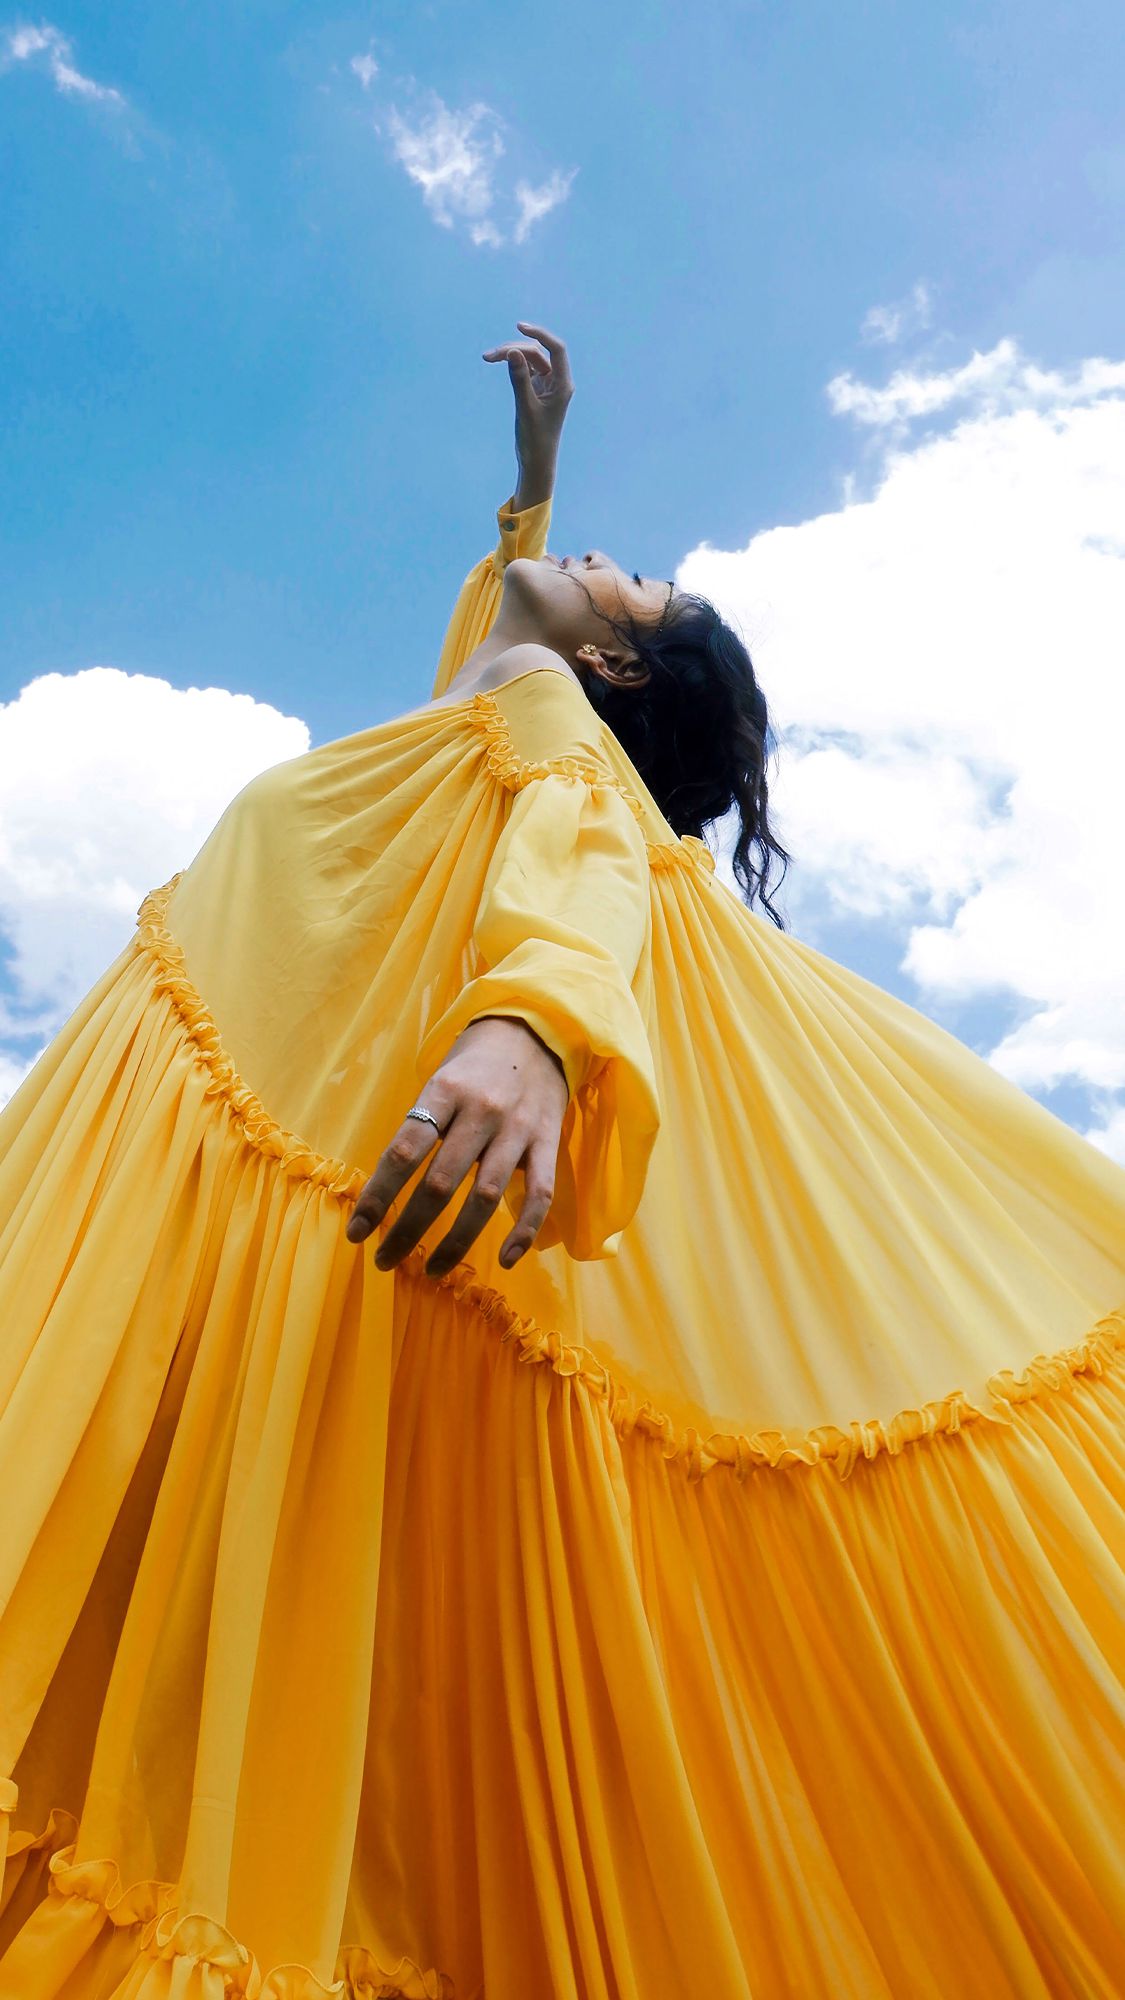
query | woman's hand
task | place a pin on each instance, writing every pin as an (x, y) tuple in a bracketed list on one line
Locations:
[(543, 389), (499, 1097)]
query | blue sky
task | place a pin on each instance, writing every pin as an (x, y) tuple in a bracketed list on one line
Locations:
[(249, 434), (250, 443)]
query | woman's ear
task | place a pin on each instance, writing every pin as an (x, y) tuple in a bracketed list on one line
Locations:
[(621, 673)]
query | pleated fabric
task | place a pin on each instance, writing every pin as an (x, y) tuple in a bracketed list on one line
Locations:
[(727, 1601)]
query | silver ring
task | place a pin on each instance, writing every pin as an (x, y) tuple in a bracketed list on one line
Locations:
[(419, 1111)]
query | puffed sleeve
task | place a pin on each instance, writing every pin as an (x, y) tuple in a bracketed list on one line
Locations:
[(563, 934), (523, 532)]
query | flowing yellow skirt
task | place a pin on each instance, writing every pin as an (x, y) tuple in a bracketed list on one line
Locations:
[(363, 1637)]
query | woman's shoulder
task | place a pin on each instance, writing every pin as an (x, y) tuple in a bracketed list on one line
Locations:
[(540, 720), (536, 700), (518, 661)]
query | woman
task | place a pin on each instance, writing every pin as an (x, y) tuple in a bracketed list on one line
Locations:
[(722, 1600)]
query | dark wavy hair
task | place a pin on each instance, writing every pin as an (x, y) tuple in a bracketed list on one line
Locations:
[(698, 732)]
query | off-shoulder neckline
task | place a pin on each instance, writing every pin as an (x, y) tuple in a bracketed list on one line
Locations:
[(484, 706), (433, 711), (439, 705)]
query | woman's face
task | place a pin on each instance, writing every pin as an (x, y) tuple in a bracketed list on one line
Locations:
[(570, 599)]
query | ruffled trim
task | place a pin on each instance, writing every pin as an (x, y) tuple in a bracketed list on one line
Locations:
[(166, 960), (697, 1451), (167, 1934), (505, 764), (695, 1448), (688, 850)]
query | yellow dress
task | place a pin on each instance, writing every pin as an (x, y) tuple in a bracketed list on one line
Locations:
[(726, 1603)]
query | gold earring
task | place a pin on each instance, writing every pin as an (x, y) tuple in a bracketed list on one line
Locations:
[(587, 648)]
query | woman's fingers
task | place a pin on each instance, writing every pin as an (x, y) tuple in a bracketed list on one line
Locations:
[(538, 1194), (555, 346), (462, 1144), (542, 389), (499, 1098), (538, 362), (413, 1140), (498, 1163), (557, 367)]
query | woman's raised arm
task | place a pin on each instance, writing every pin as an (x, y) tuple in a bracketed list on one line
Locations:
[(543, 387), (542, 391)]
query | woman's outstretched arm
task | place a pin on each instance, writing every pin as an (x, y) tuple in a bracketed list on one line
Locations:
[(542, 390)]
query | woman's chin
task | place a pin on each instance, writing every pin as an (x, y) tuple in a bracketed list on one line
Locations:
[(533, 577)]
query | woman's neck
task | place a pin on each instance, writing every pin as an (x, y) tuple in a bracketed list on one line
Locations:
[(512, 626)]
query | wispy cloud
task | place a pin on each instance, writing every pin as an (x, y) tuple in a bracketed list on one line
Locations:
[(886, 324), (1002, 379), (48, 48), (366, 68), (944, 661), (534, 203), (451, 157)]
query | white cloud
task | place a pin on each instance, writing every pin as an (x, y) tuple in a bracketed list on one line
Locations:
[(109, 783), (534, 203), (451, 157), (945, 666), (366, 69), (887, 324), (27, 44), (1002, 379)]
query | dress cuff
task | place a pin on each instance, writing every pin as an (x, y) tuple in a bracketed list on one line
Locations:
[(523, 532)]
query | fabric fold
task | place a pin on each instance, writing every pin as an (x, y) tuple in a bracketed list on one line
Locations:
[(522, 533)]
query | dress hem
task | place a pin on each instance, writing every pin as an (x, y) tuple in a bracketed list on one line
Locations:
[(167, 1934)]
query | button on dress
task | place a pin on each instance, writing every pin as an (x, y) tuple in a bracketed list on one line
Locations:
[(728, 1602)]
